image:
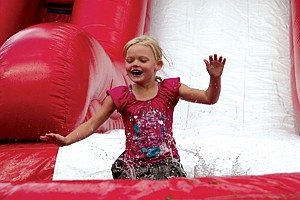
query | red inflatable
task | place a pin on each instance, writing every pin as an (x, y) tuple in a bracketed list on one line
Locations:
[(56, 63), (57, 59), (64, 69), (280, 186)]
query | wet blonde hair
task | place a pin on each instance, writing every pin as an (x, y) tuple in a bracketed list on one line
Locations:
[(149, 42)]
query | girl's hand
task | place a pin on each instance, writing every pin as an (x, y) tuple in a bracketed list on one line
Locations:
[(55, 139), (215, 65)]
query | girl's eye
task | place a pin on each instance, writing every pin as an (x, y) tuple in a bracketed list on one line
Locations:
[(129, 60), (143, 60)]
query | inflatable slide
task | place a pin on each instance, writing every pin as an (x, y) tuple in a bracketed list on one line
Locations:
[(59, 57)]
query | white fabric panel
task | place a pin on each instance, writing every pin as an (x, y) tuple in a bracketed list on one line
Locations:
[(254, 37), (251, 129)]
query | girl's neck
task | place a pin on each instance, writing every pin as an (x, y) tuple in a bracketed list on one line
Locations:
[(146, 91)]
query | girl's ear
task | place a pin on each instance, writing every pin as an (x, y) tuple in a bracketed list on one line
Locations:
[(159, 65)]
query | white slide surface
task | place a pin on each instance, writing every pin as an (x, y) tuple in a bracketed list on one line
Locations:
[(251, 129)]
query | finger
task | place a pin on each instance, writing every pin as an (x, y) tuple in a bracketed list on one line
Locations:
[(210, 58), (47, 136), (224, 61), (220, 59), (50, 134), (215, 57), (42, 137), (206, 62)]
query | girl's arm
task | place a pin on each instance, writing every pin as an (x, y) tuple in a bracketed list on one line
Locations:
[(85, 129), (211, 95)]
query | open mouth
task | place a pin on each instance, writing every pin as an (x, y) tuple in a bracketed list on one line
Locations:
[(136, 72)]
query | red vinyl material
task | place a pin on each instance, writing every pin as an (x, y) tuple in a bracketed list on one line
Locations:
[(60, 73), (53, 76), (112, 23), (24, 162), (16, 15), (275, 186)]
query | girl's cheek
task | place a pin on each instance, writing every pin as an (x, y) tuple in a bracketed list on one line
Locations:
[(127, 67)]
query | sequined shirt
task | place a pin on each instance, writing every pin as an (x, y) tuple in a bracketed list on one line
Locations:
[(148, 124)]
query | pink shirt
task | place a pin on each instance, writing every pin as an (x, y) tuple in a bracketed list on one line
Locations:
[(148, 124)]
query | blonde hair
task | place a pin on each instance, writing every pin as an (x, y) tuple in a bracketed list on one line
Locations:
[(149, 42)]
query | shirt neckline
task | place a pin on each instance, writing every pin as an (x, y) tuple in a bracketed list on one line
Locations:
[(134, 97)]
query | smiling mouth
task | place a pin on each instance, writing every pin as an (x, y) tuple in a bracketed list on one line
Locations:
[(136, 72)]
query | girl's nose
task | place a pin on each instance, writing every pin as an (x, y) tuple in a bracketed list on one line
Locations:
[(136, 63)]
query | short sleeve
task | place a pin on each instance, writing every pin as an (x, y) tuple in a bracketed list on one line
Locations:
[(170, 89), (119, 96)]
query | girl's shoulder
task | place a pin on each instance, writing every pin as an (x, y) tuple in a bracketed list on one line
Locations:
[(169, 87), (120, 96), (173, 83), (118, 90)]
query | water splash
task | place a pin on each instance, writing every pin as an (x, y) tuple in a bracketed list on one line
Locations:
[(205, 168)]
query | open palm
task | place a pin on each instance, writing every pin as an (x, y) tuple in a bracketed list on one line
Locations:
[(215, 65), (57, 139)]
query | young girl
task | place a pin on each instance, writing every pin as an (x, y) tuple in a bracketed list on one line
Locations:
[(147, 107)]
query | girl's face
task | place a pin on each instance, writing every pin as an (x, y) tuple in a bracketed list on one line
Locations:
[(140, 64)]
